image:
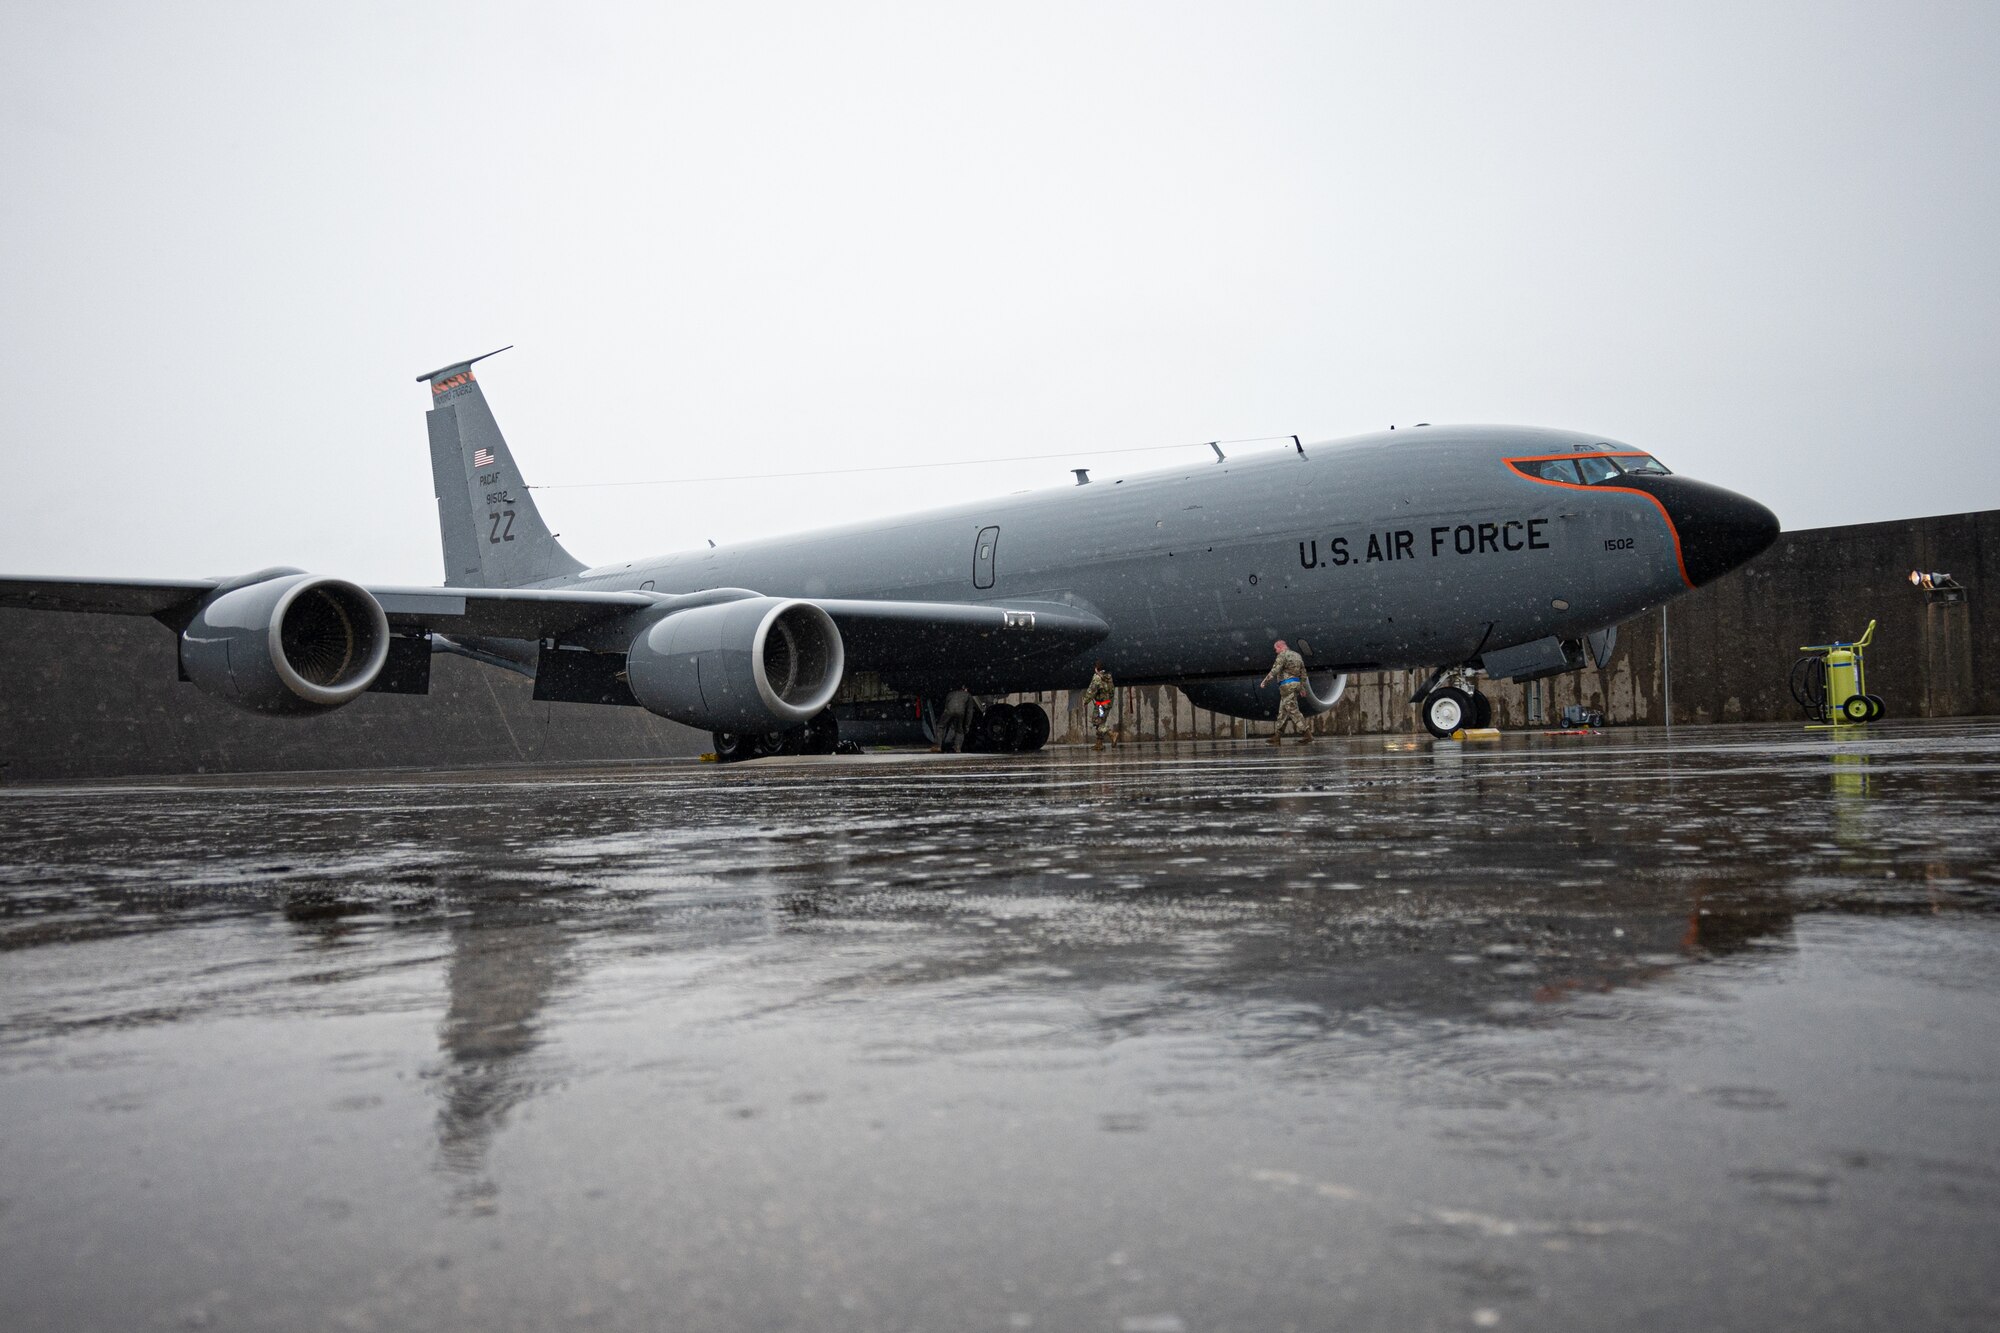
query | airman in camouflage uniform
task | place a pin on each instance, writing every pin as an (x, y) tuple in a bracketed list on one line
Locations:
[(1097, 698), (1290, 673), (954, 723)]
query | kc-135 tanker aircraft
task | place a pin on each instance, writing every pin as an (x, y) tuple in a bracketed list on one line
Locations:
[(1510, 551)]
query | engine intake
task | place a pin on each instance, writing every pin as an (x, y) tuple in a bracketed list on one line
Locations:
[(295, 644), (759, 664), (1241, 696)]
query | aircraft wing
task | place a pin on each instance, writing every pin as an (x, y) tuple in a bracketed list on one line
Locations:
[(877, 633), (500, 613), (116, 597)]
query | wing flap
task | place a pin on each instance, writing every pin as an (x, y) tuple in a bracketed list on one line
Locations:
[(505, 613), (945, 636)]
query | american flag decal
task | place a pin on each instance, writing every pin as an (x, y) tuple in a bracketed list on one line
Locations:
[(482, 458)]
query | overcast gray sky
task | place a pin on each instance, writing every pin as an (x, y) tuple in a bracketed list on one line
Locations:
[(1757, 239)]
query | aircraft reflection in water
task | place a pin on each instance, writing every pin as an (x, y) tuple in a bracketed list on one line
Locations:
[(501, 977), (508, 962), (1504, 550), (1325, 952)]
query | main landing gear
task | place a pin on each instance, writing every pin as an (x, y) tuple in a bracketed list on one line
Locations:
[(1009, 729), (1448, 702), (1000, 729), (818, 736)]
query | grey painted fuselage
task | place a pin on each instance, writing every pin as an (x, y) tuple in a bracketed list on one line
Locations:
[(1406, 548)]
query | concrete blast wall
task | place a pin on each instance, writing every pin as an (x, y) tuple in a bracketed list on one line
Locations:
[(96, 696)]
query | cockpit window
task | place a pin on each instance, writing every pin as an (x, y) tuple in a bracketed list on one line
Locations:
[(1596, 469), (1589, 469)]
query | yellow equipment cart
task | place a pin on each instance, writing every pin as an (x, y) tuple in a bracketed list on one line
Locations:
[(1832, 684)]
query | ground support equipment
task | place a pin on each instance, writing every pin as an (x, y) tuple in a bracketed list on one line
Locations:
[(1831, 683)]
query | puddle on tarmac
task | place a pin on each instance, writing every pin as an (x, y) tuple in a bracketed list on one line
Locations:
[(1344, 1036)]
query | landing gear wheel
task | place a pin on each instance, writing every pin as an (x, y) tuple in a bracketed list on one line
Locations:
[(1001, 726), (732, 746), (822, 735), (781, 742), (1482, 710), (1445, 711), (1875, 709), (1856, 709), (1033, 724)]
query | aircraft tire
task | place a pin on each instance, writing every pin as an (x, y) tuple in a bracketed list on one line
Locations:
[(1482, 710), (822, 734), (1035, 728), (734, 746), (1003, 728), (1033, 722), (781, 742), (1445, 711)]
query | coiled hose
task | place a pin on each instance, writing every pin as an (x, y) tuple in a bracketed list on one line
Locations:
[(1809, 686)]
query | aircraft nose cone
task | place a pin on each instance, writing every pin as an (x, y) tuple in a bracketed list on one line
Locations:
[(1722, 531), (1719, 530)]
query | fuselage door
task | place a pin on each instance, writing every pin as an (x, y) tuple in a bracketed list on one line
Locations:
[(982, 557)]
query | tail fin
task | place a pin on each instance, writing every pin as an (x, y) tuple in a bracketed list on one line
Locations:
[(493, 535)]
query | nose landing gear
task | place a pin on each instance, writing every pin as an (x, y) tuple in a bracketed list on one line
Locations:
[(1448, 702)]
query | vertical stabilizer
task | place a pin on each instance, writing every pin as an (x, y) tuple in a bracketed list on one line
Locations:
[(494, 537)]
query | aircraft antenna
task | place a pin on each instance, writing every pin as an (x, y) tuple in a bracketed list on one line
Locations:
[(1216, 445), (1300, 447)]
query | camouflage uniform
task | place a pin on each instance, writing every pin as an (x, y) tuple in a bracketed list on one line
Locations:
[(1097, 698), (1290, 673), (955, 722)]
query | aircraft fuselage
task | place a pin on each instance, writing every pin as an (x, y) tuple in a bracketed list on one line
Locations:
[(1407, 548)]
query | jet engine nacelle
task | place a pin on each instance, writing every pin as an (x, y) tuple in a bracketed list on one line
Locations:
[(756, 665), (1241, 696), (293, 644)]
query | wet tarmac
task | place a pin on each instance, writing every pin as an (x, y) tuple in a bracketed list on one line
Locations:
[(1627, 1031)]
